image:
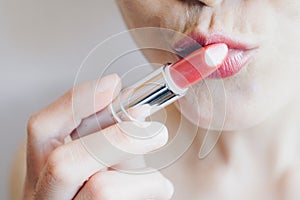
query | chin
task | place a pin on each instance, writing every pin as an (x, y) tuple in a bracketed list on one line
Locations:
[(226, 114), (229, 121)]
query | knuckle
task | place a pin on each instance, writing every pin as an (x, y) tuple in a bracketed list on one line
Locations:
[(101, 179), (57, 156), (100, 187), (32, 125), (68, 98), (57, 168)]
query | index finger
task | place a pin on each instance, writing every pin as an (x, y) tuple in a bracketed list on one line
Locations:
[(48, 128)]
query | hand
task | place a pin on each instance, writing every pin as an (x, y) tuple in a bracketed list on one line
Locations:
[(59, 170)]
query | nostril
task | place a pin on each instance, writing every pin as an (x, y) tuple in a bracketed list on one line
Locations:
[(202, 3), (210, 3), (194, 2)]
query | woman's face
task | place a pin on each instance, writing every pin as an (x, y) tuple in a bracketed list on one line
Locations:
[(263, 38)]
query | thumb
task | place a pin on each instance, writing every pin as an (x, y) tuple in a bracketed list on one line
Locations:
[(125, 140), (141, 137)]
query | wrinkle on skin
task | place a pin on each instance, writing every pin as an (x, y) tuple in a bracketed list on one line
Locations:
[(193, 10)]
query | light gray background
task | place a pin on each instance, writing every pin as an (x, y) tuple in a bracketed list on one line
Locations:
[(42, 44)]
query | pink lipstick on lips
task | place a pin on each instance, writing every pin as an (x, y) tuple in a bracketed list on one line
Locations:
[(198, 65), (239, 55), (157, 90)]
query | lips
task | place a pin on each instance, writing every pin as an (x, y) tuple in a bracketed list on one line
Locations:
[(239, 55)]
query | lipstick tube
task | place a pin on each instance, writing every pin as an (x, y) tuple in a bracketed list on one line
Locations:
[(152, 93), (156, 91)]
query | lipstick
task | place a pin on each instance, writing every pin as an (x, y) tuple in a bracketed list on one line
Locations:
[(240, 53), (157, 90)]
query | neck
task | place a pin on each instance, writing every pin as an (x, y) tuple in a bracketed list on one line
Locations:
[(274, 142)]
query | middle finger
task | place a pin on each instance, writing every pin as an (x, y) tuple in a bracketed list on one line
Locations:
[(70, 165)]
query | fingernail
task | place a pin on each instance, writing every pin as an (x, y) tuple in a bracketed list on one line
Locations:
[(170, 188), (142, 140), (107, 82), (215, 54)]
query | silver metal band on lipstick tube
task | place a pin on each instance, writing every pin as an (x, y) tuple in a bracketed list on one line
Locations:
[(153, 92), (150, 94)]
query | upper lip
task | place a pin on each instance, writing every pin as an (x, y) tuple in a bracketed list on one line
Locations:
[(196, 38)]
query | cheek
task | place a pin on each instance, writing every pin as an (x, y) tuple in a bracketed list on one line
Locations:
[(268, 83), (140, 13), (154, 13), (278, 60)]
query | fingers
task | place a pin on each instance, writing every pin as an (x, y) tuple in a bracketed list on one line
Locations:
[(113, 185), (70, 165), (48, 128)]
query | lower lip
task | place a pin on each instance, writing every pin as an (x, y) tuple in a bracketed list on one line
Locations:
[(235, 61)]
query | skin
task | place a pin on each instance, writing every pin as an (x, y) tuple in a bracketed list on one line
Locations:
[(249, 161), (267, 29), (256, 155), (58, 168)]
